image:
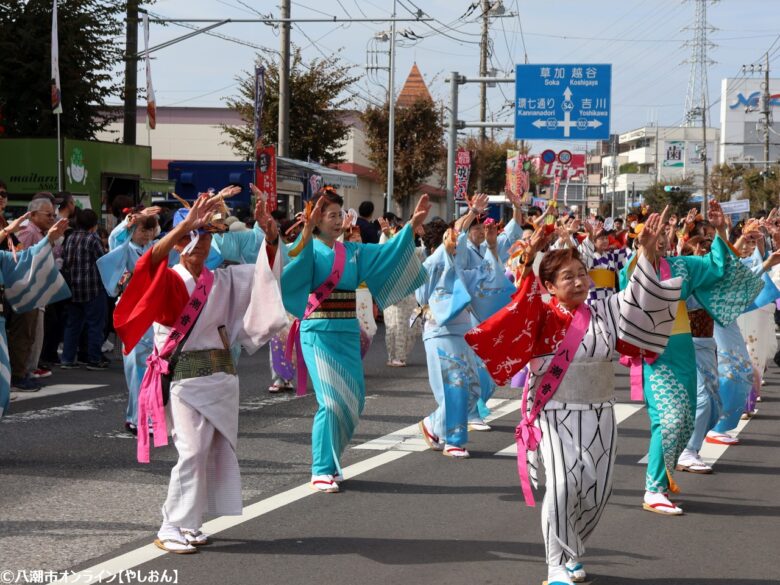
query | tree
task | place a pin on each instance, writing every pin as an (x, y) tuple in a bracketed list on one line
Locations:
[(317, 98), (679, 201), (418, 148), (488, 159), (762, 192), (88, 56), (725, 180)]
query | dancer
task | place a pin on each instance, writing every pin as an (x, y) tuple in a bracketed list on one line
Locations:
[(196, 314), (569, 345), (30, 279), (116, 268), (319, 289), (449, 297), (722, 286)]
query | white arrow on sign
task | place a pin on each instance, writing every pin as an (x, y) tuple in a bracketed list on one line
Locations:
[(567, 93), (594, 123)]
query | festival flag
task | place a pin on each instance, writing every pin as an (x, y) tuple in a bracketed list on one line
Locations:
[(56, 89), (259, 99), (151, 102)]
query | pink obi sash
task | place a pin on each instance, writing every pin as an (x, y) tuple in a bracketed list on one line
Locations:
[(315, 300), (634, 362), (528, 435), (150, 400)]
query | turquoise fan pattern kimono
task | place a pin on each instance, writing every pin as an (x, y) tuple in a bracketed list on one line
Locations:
[(331, 346)]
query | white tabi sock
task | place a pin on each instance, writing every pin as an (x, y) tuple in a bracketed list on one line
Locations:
[(558, 574)]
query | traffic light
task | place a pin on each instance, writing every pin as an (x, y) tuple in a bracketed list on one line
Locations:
[(672, 188)]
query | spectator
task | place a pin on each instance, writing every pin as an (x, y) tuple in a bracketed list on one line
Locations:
[(25, 330), (369, 230), (88, 306)]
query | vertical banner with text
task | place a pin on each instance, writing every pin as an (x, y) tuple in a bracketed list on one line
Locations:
[(265, 173), (462, 173), (517, 177)]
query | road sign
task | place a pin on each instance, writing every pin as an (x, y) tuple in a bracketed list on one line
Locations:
[(562, 102), (564, 157), (548, 156), (736, 206)]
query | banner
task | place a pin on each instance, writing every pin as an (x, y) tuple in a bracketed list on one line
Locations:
[(462, 173), (151, 103), (736, 206), (674, 154), (265, 173), (259, 100), (56, 88), (517, 177)]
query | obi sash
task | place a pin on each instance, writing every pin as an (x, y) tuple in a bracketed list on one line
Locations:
[(527, 434), (603, 278), (315, 300), (150, 400)]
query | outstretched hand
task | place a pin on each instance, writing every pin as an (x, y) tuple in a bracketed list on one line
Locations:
[(421, 211), (15, 225), (57, 230)]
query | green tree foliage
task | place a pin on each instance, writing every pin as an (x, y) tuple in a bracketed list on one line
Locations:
[(725, 180), (657, 198), (762, 192), (317, 99), (89, 56), (419, 146)]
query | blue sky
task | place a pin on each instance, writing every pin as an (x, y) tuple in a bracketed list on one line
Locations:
[(642, 39)]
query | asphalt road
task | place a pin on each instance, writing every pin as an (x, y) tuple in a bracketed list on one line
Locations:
[(74, 499)]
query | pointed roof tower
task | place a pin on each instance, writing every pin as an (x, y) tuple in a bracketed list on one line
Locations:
[(414, 89)]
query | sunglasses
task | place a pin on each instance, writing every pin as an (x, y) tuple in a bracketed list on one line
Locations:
[(4, 194)]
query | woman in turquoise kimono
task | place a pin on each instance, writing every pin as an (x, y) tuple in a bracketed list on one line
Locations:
[(724, 288), (30, 279), (330, 335), (127, 243), (453, 295)]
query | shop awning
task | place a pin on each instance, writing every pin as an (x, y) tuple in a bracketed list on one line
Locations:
[(289, 168)]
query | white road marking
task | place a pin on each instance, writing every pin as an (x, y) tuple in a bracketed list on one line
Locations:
[(709, 452), (622, 412), (393, 449), (56, 411), (53, 390), (409, 439)]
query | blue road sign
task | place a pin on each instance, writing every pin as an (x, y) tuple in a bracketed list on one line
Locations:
[(562, 102)]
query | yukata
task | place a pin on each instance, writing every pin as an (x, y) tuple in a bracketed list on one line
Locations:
[(330, 336), (471, 257), (758, 330), (450, 298), (723, 287), (578, 425), (204, 392), (31, 281), (708, 407), (603, 269)]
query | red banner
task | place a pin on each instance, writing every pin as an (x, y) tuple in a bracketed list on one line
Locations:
[(265, 178), (517, 177), (462, 173)]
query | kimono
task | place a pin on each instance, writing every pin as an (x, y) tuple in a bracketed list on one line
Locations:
[(116, 269), (471, 257), (451, 297), (31, 281), (204, 393), (708, 407), (330, 338), (758, 330), (603, 269), (724, 288), (578, 426)]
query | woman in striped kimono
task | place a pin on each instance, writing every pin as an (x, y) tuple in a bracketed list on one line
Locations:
[(724, 288), (330, 335), (573, 399), (30, 279)]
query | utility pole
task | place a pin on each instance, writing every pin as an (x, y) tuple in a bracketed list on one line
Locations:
[(391, 119), (765, 98), (704, 156), (453, 144), (483, 61), (614, 151), (131, 72), (283, 147)]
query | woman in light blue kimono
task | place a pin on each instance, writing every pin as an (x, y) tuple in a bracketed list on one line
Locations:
[(452, 297), (127, 243), (30, 280), (330, 336)]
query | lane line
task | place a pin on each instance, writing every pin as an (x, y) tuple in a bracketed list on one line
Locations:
[(394, 446), (710, 453), (409, 439), (54, 390), (622, 412)]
